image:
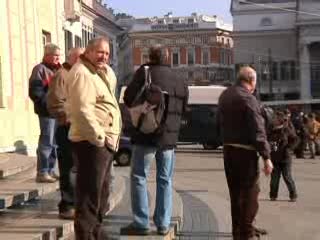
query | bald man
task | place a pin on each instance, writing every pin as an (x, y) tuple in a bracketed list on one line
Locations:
[(244, 138), (56, 103)]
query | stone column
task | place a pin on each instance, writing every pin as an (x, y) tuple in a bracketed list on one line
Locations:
[(305, 73)]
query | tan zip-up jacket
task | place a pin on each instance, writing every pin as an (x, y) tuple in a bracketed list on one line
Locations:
[(93, 110)]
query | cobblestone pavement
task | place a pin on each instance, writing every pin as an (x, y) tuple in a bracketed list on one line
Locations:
[(200, 180)]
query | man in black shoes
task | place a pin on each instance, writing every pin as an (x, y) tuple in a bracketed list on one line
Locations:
[(244, 137)]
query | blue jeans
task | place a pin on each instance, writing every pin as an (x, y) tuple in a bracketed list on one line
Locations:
[(47, 149), (141, 161)]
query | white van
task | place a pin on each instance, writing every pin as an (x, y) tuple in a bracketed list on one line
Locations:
[(199, 122)]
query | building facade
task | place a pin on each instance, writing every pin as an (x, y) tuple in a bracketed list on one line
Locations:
[(27, 25), (279, 38), (200, 47)]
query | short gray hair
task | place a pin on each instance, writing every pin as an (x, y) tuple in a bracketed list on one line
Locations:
[(50, 48), (246, 74), (93, 42)]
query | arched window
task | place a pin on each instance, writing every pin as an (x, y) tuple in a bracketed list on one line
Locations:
[(266, 21)]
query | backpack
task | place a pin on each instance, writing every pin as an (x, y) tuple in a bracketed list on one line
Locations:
[(148, 107)]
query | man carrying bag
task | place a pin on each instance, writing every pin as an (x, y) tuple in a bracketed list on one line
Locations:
[(159, 143)]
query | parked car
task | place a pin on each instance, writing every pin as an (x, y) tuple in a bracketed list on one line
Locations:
[(123, 156)]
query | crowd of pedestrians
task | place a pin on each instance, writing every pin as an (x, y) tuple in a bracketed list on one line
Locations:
[(80, 126)]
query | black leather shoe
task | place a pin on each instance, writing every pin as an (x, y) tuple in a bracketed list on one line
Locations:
[(133, 230), (163, 231), (260, 231)]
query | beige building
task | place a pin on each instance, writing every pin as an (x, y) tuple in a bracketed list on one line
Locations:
[(27, 25), (281, 38), (200, 46)]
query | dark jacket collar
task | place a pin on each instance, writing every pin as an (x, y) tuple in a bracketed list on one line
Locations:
[(66, 66), (53, 67)]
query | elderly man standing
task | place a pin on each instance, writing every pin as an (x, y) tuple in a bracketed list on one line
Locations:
[(95, 132), (244, 137), (38, 88), (57, 107)]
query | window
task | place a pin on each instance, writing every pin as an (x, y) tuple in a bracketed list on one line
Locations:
[(175, 59), (275, 71), (191, 56), (191, 20), (190, 76), (145, 58), (176, 21), (205, 57), (46, 37), (222, 56), (266, 22), (68, 41), (285, 71), (77, 41), (111, 56), (293, 70)]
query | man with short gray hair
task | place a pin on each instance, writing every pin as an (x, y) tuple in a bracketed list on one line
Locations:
[(38, 88)]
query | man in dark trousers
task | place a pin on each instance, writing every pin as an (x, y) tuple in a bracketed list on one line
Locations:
[(56, 104), (244, 137), (95, 127), (159, 145)]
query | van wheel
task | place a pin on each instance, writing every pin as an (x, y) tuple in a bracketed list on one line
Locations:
[(123, 158), (208, 146)]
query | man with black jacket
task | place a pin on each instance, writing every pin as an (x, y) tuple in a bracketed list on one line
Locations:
[(38, 89), (244, 137), (159, 145)]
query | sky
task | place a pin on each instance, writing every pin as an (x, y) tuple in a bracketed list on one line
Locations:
[(151, 8)]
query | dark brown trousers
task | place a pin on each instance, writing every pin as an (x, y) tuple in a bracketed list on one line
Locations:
[(92, 189), (241, 168)]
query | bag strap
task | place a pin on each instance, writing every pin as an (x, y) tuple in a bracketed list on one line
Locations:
[(147, 83)]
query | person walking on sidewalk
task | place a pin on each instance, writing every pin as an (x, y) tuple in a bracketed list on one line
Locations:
[(95, 127), (244, 137), (38, 88), (159, 145), (57, 108), (282, 139)]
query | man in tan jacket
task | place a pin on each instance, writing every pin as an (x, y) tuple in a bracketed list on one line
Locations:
[(95, 132), (56, 104)]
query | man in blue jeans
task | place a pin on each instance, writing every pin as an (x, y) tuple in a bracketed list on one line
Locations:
[(38, 88), (159, 145)]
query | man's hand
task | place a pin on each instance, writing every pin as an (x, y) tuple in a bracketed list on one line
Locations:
[(268, 167)]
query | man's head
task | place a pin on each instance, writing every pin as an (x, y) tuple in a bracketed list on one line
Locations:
[(74, 54), (247, 76), (158, 55), (98, 51), (51, 54)]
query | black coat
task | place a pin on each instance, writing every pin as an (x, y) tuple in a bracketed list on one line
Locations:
[(164, 77), (284, 140)]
